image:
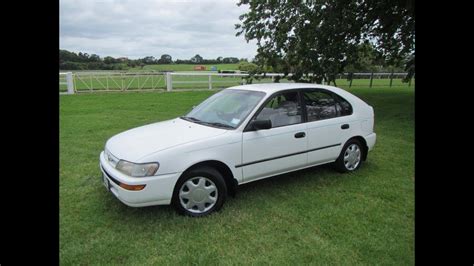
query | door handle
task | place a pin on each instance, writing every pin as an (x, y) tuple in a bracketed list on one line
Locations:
[(300, 135), (345, 126)]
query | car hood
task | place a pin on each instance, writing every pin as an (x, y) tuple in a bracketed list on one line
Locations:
[(133, 144)]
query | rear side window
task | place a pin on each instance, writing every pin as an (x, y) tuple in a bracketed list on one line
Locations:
[(322, 105), (343, 106)]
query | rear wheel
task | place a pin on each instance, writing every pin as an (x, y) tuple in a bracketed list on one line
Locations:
[(351, 156), (199, 192)]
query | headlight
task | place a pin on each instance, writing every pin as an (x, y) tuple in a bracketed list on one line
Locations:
[(137, 169)]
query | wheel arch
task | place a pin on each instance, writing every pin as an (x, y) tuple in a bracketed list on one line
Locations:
[(222, 168), (364, 145)]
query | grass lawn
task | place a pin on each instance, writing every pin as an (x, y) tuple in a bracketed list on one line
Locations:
[(313, 216)]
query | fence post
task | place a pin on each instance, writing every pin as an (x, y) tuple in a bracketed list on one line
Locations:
[(138, 79), (409, 82), (350, 79), (391, 78), (210, 82), (70, 85), (371, 79), (169, 82)]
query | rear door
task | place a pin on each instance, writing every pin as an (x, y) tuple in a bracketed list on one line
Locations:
[(281, 148), (328, 125)]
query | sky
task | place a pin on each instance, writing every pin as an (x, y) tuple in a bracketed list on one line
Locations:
[(135, 29)]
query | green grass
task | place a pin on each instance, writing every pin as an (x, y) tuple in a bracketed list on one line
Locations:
[(315, 216)]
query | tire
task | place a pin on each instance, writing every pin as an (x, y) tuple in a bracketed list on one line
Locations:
[(199, 192), (351, 156)]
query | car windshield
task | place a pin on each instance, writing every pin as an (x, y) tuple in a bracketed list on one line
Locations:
[(225, 109)]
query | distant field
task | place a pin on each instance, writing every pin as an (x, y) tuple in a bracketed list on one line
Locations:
[(184, 67)]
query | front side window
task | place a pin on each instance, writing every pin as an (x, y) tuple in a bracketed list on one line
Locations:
[(319, 105), (225, 109), (283, 109)]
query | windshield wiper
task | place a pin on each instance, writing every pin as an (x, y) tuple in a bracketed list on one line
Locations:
[(190, 118), (217, 124), (195, 120)]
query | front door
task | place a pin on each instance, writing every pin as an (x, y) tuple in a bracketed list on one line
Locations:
[(281, 148)]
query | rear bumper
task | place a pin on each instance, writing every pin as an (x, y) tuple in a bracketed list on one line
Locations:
[(371, 139), (158, 189)]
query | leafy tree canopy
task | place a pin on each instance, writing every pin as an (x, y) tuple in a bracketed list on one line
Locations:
[(323, 37), (165, 59), (196, 59)]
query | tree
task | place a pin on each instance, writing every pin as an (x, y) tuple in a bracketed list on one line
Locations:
[(165, 59), (230, 60), (65, 55), (110, 60), (246, 66), (410, 68), (82, 61), (196, 59), (83, 57), (132, 63), (94, 58), (365, 60), (323, 37), (148, 60)]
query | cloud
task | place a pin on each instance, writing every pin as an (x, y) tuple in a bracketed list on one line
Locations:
[(181, 28)]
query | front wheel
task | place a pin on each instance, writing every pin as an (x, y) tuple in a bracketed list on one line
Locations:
[(350, 158), (199, 192)]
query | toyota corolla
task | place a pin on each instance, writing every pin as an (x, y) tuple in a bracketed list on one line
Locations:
[(238, 135)]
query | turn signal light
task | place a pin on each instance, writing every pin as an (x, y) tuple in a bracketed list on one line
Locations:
[(132, 187)]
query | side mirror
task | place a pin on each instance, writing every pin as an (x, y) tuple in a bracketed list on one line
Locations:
[(260, 124)]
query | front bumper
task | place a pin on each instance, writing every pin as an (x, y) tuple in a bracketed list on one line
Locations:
[(158, 189)]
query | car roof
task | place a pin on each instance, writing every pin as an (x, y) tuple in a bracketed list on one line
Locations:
[(271, 88)]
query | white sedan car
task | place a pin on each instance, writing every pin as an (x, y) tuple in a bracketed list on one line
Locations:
[(238, 135)]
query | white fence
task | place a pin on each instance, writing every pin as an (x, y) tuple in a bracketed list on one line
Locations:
[(66, 81), (140, 81), (213, 79), (117, 81)]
